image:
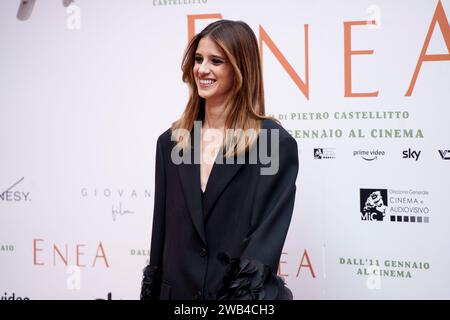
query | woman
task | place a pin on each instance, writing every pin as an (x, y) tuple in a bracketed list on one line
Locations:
[(221, 213)]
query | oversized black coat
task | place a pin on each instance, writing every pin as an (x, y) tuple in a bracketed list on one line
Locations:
[(229, 246)]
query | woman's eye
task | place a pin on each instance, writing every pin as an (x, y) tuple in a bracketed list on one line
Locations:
[(214, 61)]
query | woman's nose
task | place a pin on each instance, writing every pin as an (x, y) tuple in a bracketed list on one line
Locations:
[(203, 69)]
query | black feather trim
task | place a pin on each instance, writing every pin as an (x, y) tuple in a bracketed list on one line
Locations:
[(151, 283), (250, 280)]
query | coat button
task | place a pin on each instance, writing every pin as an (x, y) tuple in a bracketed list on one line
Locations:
[(203, 252), (198, 295)]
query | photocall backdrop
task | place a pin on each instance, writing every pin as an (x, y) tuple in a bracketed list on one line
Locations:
[(363, 86)]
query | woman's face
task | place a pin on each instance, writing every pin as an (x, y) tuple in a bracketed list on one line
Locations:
[(213, 73)]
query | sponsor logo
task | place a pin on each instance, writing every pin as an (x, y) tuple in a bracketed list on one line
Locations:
[(118, 200), (398, 205), (369, 155), (373, 204), (324, 153), (411, 154), (445, 154), (12, 296), (14, 194)]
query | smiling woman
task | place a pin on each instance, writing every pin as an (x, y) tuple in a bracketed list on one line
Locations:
[(213, 73), (219, 226)]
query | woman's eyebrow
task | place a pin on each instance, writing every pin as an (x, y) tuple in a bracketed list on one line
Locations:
[(211, 56)]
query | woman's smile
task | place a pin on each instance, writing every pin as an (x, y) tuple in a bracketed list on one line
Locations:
[(206, 83)]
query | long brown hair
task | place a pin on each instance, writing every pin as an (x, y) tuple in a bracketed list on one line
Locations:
[(246, 100)]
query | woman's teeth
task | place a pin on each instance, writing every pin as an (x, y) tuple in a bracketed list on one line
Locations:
[(207, 82)]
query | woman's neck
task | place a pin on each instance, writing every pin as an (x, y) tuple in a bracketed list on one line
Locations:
[(215, 116)]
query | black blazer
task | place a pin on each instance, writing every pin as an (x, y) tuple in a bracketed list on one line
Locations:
[(229, 246)]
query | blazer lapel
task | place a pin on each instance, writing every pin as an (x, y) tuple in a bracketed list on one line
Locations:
[(190, 182), (221, 175)]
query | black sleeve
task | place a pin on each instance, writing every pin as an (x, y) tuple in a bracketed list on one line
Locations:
[(151, 282), (253, 274)]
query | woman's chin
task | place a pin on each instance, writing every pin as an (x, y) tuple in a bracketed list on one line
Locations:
[(205, 95)]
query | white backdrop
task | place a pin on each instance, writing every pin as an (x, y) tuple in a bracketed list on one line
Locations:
[(86, 90)]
